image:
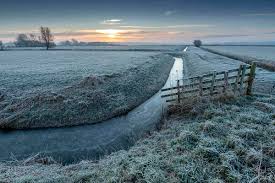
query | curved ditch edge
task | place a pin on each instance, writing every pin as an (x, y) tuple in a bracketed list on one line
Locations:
[(71, 145)]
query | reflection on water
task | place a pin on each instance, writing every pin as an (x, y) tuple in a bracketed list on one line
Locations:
[(176, 73)]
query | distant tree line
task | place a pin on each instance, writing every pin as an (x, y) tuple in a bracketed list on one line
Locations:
[(74, 42), (30, 40), (27, 40)]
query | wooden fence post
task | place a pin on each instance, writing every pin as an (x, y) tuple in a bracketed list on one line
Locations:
[(242, 79), (178, 87), (200, 86), (225, 81), (251, 79), (213, 83), (238, 78)]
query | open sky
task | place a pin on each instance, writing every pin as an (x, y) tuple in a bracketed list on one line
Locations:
[(158, 21)]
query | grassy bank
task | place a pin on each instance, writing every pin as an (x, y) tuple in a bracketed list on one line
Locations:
[(225, 140), (265, 64), (93, 99)]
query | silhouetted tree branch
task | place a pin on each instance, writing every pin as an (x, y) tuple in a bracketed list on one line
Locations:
[(46, 37), (1, 45)]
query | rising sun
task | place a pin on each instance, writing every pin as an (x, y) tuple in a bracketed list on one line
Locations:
[(111, 33)]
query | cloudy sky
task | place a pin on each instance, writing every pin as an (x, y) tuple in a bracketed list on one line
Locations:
[(158, 21)]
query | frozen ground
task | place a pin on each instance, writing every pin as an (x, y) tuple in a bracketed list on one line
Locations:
[(128, 47), (253, 56), (261, 52), (227, 140), (55, 88), (230, 141), (198, 61), (24, 73), (157, 48)]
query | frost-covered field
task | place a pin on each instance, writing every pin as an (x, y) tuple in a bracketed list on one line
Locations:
[(128, 47), (64, 88), (230, 141), (227, 139), (261, 52), (111, 48), (27, 72)]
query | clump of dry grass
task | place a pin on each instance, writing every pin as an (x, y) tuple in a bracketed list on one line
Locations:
[(265, 107), (92, 81), (197, 105), (225, 146)]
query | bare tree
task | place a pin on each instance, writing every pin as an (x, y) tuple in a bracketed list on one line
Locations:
[(1, 45), (75, 42), (46, 37), (24, 40), (197, 43), (21, 40), (32, 37)]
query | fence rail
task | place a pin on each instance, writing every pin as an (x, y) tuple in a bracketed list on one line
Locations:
[(238, 80)]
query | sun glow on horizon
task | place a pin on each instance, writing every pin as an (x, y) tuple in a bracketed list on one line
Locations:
[(110, 33)]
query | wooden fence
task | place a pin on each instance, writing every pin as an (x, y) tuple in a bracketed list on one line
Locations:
[(237, 80)]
